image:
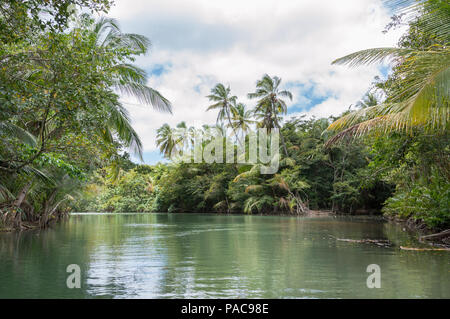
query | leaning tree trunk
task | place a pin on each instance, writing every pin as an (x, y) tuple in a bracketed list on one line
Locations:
[(443, 234), (231, 125), (301, 208), (22, 195), (47, 211), (17, 216), (277, 125)]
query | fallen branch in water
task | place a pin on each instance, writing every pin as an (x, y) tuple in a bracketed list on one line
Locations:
[(379, 242), (445, 233), (423, 249)]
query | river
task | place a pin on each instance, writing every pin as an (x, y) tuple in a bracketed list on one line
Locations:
[(218, 256)]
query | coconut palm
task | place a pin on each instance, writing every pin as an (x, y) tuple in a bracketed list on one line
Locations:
[(166, 140), (241, 119), (422, 94), (367, 101), (434, 15), (270, 103), (224, 102), (187, 136), (129, 80)]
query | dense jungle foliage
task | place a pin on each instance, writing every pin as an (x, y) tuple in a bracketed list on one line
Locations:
[(65, 135), (60, 78), (390, 155)]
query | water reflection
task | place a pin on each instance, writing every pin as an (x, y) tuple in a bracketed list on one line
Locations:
[(213, 256)]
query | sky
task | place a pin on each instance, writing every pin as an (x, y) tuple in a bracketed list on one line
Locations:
[(198, 43)]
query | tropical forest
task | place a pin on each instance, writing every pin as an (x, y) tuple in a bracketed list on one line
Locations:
[(376, 176)]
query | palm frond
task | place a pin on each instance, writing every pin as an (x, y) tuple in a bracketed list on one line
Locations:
[(119, 122), (252, 171), (435, 15), (145, 94), (127, 72), (253, 188), (421, 97), (5, 194), (12, 130), (371, 56), (39, 174)]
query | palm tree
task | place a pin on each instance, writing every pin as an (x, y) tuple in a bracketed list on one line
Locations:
[(224, 102), (129, 80), (241, 119), (421, 96), (220, 129), (166, 140), (189, 137), (367, 101), (270, 103)]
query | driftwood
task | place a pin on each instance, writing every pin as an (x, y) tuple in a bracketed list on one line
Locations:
[(386, 243), (424, 249), (379, 242), (443, 234)]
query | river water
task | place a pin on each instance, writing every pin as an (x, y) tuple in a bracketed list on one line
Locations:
[(217, 256)]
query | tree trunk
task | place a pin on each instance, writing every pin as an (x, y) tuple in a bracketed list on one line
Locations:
[(22, 195), (232, 128), (17, 217), (443, 234), (46, 213), (277, 125)]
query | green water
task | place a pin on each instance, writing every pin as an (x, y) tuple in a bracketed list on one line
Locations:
[(211, 256)]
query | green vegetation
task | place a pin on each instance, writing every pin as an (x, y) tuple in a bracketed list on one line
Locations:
[(64, 131), (410, 128), (61, 117), (390, 155), (312, 176)]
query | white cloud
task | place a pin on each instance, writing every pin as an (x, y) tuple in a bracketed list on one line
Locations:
[(235, 42)]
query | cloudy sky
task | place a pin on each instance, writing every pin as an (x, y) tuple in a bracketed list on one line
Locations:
[(198, 43)]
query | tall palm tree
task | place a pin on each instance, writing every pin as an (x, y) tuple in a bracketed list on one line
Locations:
[(270, 103), (422, 94), (183, 136), (173, 140), (166, 140), (188, 136), (241, 119), (128, 79), (224, 102)]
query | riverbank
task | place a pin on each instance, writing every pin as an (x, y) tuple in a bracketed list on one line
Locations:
[(27, 225), (424, 234)]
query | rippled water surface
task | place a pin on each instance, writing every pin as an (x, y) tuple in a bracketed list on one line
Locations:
[(216, 256)]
